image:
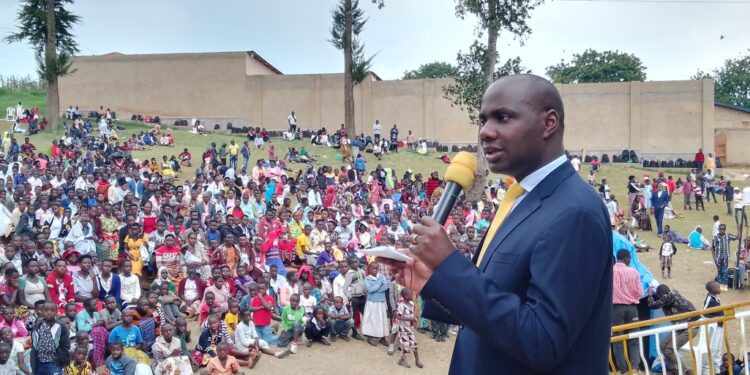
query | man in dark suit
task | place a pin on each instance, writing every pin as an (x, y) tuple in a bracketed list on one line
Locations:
[(659, 202), (537, 298)]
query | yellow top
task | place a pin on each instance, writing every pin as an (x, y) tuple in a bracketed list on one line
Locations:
[(233, 149), (302, 241)]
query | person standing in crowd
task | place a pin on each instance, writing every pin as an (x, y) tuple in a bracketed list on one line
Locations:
[(522, 120), (659, 202), (699, 159), (376, 131), (720, 252), (394, 138), (672, 303), (292, 121), (626, 295)]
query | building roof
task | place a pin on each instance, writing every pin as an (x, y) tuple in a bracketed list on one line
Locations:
[(732, 106), (263, 61), (252, 54)]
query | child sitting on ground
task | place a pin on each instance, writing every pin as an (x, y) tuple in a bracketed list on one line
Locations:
[(117, 363), (169, 304), (223, 363), (292, 323), (80, 364)]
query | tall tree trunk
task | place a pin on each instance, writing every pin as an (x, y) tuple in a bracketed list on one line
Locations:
[(348, 81), (50, 57), (480, 180)]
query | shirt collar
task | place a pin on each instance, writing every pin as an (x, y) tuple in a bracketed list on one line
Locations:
[(532, 180)]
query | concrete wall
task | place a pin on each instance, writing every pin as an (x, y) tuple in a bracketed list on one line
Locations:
[(728, 118), (732, 135), (659, 119)]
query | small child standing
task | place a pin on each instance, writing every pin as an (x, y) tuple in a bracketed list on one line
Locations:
[(716, 334), (406, 322), (668, 249), (698, 193), (232, 316)]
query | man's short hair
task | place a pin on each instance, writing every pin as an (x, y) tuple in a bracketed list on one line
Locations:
[(623, 254)]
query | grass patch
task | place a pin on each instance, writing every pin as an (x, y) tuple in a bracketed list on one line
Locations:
[(31, 99), (196, 144)]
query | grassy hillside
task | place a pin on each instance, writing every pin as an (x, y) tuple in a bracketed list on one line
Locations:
[(27, 99)]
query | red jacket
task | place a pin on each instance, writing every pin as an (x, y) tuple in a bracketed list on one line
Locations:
[(199, 284), (431, 185), (55, 289)]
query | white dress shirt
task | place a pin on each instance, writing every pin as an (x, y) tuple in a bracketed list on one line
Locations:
[(535, 178)]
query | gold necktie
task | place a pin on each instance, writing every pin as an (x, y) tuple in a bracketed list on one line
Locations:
[(514, 191)]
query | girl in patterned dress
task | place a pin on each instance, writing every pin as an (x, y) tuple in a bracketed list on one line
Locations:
[(406, 321)]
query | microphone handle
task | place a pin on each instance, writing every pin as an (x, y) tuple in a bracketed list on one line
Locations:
[(446, 203)]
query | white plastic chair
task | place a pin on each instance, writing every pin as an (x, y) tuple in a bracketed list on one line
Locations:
[(10, 114), (701, 356)]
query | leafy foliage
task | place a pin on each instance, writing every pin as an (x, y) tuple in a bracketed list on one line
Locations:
[(508, 15), (594, 66), (361, 64), (338, 25), (432, 70), (469, 86), (700, 74), (732, 81), (21, 84), (32, 28)]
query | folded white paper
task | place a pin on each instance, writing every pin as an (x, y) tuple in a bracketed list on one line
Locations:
[(386, 252)]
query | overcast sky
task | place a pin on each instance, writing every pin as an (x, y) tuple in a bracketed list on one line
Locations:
[(673, 38)]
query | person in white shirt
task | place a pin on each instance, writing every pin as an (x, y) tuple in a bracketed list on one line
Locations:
[(376, 128), (339, 281), (307, 300), (395, 230), (19, 111), (292, 120), (246, 337), (130, 285), (717, 223), (82, 235), (57, 181), (313, 197), (576, 163)]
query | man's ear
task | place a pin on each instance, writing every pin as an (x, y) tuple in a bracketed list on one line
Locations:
[(552, 123)]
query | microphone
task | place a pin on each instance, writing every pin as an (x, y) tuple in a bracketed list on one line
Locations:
[(458, 176)]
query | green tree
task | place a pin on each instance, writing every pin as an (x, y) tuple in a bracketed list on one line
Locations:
[(47, 26), (432, 70), (733, 81), (348, 21), (593, 66), (493, 16), (700, 74), (469, 83)]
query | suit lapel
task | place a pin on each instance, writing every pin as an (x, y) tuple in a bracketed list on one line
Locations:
[(528, 205)]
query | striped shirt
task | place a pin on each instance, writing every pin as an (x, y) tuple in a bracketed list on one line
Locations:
[(626, 285)]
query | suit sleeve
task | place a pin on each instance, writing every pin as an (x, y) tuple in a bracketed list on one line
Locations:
[(568, 265)]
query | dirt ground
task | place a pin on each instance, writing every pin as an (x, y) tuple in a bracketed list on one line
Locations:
[(337, 358)]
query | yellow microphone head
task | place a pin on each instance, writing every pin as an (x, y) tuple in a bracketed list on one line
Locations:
[(462, 169)]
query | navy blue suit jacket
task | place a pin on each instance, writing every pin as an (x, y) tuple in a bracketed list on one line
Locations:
[(540, 301), (659, 202)]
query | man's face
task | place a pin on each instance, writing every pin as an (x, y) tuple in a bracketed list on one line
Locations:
[(512, 127)]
